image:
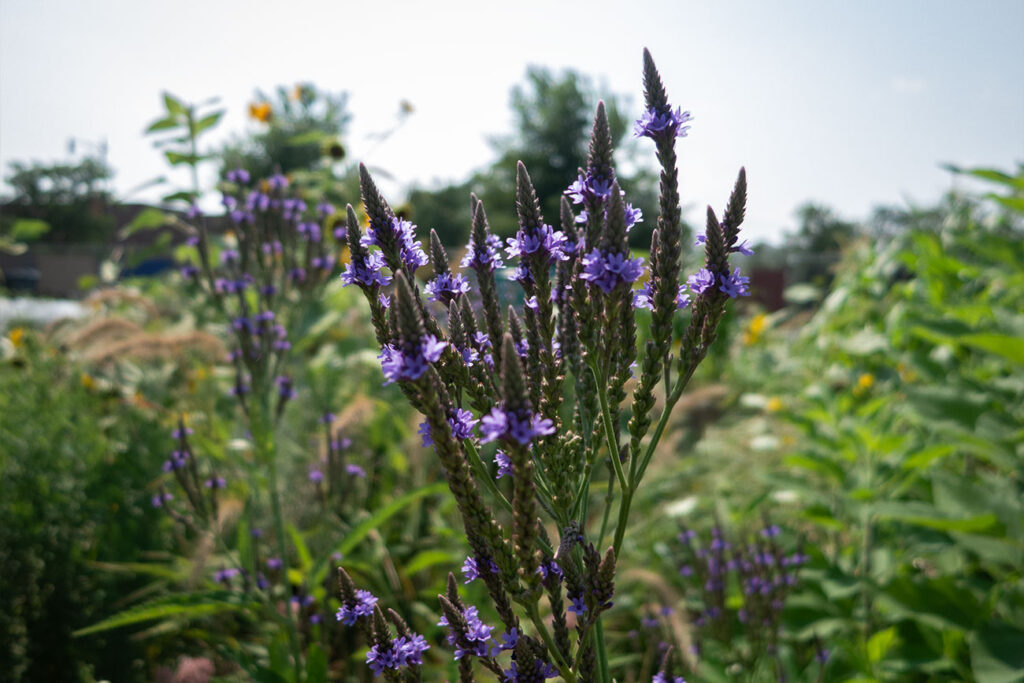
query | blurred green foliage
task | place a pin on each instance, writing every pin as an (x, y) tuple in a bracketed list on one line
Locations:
[(75, 461)]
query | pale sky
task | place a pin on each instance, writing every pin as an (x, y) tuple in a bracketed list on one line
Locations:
[(846, 103)]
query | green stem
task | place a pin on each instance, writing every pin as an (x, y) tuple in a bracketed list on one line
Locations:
[(484, 475), (609, 430), (263, 436), (538, 623), (602, 653)]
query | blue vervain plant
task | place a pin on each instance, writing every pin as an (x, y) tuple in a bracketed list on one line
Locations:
[(548, 382)]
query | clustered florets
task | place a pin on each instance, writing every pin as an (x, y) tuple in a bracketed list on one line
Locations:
[(403, 651), (411, 364), (501, 423), (667, 124), (362, 606)]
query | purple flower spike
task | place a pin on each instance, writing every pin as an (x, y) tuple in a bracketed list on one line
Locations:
[(735, 285), (446, 287), (365, 600), (608, 270), (504, 464), (399, 365), (355, 470), (502, 424), (701, 280), (664, 125), (490, 259)]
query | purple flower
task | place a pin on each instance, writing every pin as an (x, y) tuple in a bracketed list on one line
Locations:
[(181, 432), (363, 607), (446, 287), (238, 175), (277, 182), (189, 271), (578, 606), (489, 259), (284, 388), (404, 233), (309, 231), (503, 463), (608, 270), (543, 241), (161, 499), (500, 423), (410, 649), (194, 212), (589, 186), (325, 209), (701, 280), (664, 125), (410, 365), (461, 421), (316, 476), (644, 297), (771, 531), (225, 575), (216, 483), (660, 677), (379, 659), (546, 569), (355, 470), (274, 563), (735, 285)]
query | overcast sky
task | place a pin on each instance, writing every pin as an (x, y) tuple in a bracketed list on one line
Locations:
[(846, 103)]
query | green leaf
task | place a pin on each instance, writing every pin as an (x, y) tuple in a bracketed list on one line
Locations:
[(305, 560), (426, 559), (880, 643), (1010, 348), (316, 664), (160, 571), (997, 653), (188, 605), (361, 530), (173, 105), (176, 158), (28, 229), (163, 124), (931, 517), (208, 121), (148, 219)]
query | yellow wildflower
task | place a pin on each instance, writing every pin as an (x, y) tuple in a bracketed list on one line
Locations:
[(755, 328), (773, 405), (260, 111), (17, 336), (864, 383), (87, 381)]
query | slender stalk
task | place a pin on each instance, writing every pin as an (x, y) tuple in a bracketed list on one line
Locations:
[(602, 653), (263, 436), (609, 429), (481, 472), (538, 623)]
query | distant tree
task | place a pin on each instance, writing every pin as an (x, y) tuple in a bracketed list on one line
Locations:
[(817, 244), (302, 129), (71, 199), (553, 117)]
